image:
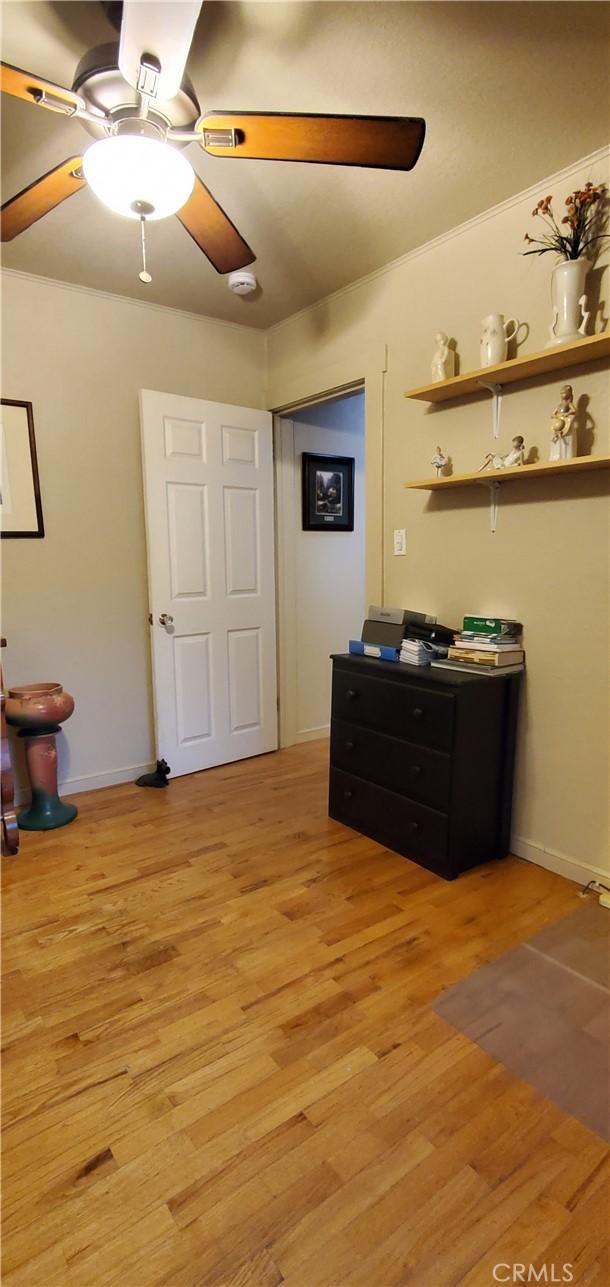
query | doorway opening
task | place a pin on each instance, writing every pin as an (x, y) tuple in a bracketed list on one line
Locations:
[(320, 573)]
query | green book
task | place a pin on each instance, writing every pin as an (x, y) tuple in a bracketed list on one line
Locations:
[(492, 626)]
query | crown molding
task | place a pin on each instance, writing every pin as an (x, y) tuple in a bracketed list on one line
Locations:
[(560, 176), (127, 299)]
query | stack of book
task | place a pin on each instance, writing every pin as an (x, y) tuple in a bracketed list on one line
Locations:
[(487, 645)]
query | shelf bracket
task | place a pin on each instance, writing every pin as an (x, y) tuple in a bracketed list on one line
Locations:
[(496, 393), (494, 485)]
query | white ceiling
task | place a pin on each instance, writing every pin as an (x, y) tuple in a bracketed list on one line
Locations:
[(510, 92)]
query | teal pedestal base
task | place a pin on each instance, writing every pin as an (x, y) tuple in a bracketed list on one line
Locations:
[(45, 813)]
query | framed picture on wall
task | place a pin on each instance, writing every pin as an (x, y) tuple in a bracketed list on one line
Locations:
[(20, 503), (328, 493)]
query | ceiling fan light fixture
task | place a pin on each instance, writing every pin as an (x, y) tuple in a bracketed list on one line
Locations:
[(128, 172)]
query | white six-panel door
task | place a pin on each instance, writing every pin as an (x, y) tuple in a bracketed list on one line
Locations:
[(208, 488)]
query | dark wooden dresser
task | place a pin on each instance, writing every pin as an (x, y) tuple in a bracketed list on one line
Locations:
[(421, 760)]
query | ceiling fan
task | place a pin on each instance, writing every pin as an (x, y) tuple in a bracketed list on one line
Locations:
[(142, 110)]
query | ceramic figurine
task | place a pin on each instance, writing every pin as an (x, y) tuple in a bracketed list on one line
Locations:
[(439, 461), (563, 427), (443, 362), (516, 456), (495, 338)]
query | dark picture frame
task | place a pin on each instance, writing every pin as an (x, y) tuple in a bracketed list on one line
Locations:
[(328, 493), (29, 461)]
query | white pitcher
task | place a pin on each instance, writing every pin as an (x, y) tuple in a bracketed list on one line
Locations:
[(495, 336)]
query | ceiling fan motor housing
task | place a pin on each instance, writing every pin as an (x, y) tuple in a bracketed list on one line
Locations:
[(99, 81)]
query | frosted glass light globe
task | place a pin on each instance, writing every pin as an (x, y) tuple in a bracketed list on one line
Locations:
[(127, 169)]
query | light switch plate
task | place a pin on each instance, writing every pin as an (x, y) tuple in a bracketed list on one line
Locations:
[(400, 540)]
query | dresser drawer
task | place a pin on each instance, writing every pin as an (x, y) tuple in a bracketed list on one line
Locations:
[(410, 828), (402, 709), (411, 770)]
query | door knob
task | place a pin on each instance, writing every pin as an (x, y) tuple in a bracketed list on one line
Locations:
[(166, 619)]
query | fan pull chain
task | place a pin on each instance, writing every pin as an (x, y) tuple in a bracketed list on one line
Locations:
[(144, 275)]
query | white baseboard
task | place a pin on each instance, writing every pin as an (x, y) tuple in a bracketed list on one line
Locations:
[(562, 864), (313, 734), (92, 781)]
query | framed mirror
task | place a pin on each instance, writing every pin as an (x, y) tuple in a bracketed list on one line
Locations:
[(20, 503)]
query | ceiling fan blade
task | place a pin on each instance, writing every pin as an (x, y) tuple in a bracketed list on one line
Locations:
[(213, 231), (159, 33), (21, 211), (381, 142), (35, 89)]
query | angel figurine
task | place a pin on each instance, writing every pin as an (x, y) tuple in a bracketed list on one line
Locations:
[(514, 457), (563, 426), (443, 362), (439, 461)]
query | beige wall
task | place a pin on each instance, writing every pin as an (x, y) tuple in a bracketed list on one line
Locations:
[(548, 563), (75, 604)]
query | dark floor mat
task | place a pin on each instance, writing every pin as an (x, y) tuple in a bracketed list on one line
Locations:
[(543, 1010)]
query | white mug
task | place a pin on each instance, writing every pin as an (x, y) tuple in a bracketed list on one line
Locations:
[(495, 337)]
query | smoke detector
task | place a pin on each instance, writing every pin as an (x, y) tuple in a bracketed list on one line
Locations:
[(242, 283)]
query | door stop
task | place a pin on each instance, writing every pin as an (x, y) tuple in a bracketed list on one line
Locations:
[(156, 779)]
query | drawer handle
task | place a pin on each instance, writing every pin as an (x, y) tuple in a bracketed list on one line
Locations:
[(414, 826), (349, 746), (415, 770), (417, 712), (348, 794), (352, 693)]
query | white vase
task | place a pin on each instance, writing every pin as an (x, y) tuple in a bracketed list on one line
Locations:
[(569, 301)]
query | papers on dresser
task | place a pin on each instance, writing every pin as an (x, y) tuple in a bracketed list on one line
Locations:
[(417, 652)]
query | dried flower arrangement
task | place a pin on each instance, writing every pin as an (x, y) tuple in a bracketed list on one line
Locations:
[(585, 216)]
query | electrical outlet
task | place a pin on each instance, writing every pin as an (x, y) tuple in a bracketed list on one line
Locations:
[(400, 540)]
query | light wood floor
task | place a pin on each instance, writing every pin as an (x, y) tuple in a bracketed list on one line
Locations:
[(221, 1065)]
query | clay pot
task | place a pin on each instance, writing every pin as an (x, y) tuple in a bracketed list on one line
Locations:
[(38, 707)]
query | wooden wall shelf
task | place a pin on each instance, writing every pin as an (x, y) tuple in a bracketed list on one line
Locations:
[(525, 367), (542, 469)]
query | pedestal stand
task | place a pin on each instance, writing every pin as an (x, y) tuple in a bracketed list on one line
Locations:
[(37, 710), (46, 811)]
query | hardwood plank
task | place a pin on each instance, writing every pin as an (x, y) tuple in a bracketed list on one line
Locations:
[(525, 1242), (222, 1065)]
